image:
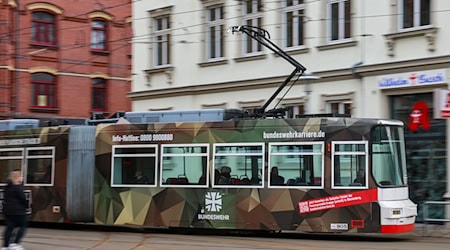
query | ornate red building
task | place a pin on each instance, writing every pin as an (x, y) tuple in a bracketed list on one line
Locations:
[(64, 58)]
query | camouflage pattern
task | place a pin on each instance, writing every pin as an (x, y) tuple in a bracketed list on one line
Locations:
[(48, 203), (241, 208)]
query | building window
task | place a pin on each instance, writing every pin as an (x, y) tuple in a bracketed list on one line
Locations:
[(98, 36), (215, 33), (339, 20), (43, 28), (98, 94), (252, 17), (414, 13), (162, 40), (294, 16), (338, 103), (43, 90), (294, 110), (343, 108)]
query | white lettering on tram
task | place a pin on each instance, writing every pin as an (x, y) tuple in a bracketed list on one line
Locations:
[(25, 141), (339, 226), (213, 217), (142, 138), (213, 203), (336, 201), (293, 134)]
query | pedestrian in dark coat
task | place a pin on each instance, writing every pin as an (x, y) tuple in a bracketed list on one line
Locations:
[(14, 209)]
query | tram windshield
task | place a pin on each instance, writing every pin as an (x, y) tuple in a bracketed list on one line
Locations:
[(388, 156)]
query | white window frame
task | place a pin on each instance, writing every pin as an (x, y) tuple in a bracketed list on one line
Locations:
[(155, 155), (262, 154), (50, 156), (342, 99), (296, 8), (416, 17), (366, 162), (341, 21), (253, 17), (322, 153), (295, 105), (341, 106), (18, 157), (206, 154), (99, 34), (218, 27), (161, 36)]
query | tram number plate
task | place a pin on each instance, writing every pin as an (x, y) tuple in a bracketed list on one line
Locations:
[(339, 226)]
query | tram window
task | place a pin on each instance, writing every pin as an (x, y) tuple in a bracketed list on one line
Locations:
[(297, 164), (10, 159), (349, 161), (40, 166), (388, 156), (238, 164), (134, 165), (184, 164)]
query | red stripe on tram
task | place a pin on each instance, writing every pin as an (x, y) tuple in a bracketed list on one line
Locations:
[(392, 229)]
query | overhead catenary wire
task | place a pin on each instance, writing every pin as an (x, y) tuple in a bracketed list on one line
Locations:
[(144, 36)]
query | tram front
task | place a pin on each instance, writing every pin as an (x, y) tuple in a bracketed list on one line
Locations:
[(397, 212)]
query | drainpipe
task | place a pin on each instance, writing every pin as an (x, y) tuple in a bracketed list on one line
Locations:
[(15, 96)]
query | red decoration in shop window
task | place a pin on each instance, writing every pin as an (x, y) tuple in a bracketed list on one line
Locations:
[(419, 116)]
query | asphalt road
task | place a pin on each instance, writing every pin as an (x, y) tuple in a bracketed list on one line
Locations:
[(122, 239)]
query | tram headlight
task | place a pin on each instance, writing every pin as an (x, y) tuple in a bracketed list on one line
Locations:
[(396, 211)]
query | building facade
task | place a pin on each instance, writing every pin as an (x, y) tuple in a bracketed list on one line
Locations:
[(63, 59), (369, 59)]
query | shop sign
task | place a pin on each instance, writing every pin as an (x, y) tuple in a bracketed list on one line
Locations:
[(420, 78), (441, 104), (419, 117)]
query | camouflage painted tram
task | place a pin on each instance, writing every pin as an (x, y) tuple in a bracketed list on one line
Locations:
[(316, 174)]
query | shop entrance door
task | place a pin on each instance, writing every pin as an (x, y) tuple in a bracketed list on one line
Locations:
[(426, 154)]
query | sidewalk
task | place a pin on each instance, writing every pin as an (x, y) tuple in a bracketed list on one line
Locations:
[(432, 230)]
